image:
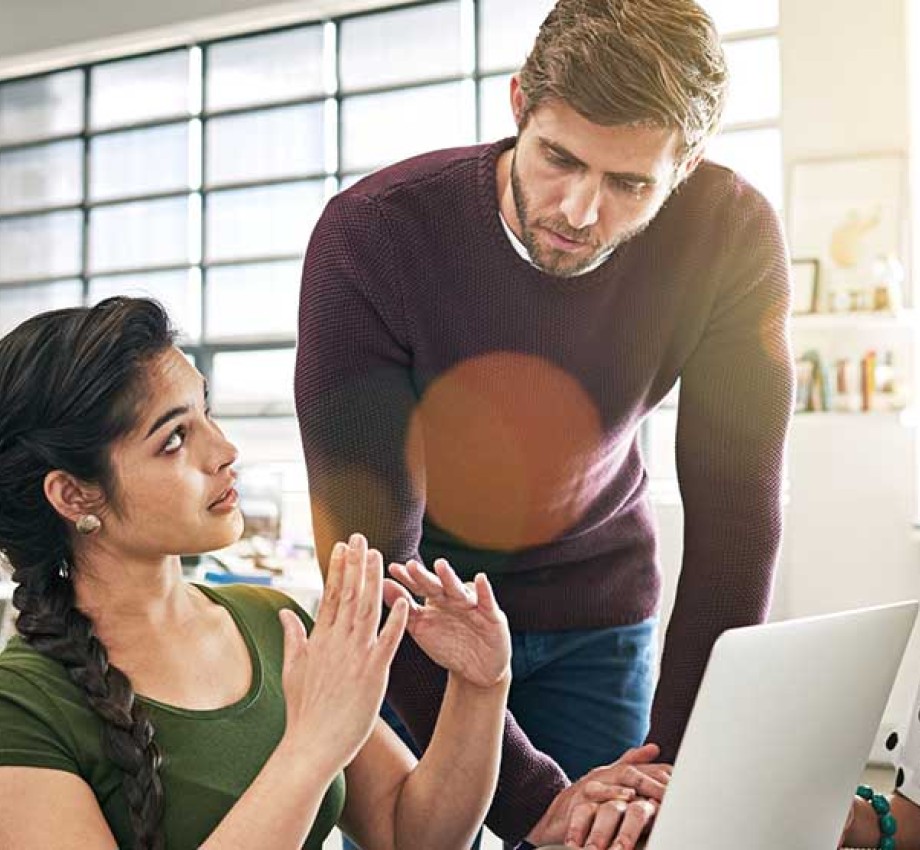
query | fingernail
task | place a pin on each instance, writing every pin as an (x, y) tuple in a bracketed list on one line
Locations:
[(338, 550), (355, 539)]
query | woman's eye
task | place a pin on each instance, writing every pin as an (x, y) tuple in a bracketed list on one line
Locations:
[(174, 441)]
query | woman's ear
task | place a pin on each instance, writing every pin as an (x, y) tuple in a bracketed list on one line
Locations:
[(70, 497)]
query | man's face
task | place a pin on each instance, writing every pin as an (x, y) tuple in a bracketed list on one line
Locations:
[(581, 189)]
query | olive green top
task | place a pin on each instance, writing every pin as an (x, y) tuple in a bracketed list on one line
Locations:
[(209, 757)]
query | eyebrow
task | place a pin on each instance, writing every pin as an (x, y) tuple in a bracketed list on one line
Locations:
[(174, 413), (632, 176)]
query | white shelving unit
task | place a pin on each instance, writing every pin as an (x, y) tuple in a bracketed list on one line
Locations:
[(837, 337)]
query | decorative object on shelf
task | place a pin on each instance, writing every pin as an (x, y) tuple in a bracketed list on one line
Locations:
[(868, 383), (805, 295), (808, 383), (851, 214)]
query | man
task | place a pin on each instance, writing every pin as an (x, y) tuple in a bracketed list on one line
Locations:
[(482, 333)]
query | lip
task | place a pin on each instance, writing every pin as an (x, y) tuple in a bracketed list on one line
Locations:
[(226, 503), (562, 243), (226, 500)]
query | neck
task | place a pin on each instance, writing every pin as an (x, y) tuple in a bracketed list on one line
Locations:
[(126, 599), (506, 192)]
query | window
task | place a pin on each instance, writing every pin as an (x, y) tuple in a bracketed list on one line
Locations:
[(250, 136)]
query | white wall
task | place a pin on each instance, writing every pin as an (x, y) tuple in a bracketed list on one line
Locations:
[(849, 540)]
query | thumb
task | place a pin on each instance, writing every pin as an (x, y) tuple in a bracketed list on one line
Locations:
[(295, 636), (640, 755)]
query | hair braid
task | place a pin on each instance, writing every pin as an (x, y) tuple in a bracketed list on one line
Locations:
[(51, 623)]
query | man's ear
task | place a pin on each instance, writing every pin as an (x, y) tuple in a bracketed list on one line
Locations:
[(687, 168), (70, 497), (518, 101)]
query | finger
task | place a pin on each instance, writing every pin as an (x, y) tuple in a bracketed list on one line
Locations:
[(401, 574), (485, 597), (630, 776), (372, 595), (353, 578), (429, 583), (645, 785), (393, 590), (606, 822), (580, 820), (638, 816), (453, 587), (332, 591), (640, 755), (659, 772), (295, 638), (392, 631), (602, 792)]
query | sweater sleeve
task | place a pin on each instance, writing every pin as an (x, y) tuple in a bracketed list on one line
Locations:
[(733, 416), (355, 401)]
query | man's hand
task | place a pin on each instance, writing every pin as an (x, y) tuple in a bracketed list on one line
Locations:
[(609, 807), (459, 626)]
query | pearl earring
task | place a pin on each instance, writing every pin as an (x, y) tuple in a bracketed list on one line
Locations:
[(88, 524)]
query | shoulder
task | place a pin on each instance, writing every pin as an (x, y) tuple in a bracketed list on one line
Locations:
[(254, 603), (402, 179), (22, 669), (718, 194), (43, 715), (412, 190)]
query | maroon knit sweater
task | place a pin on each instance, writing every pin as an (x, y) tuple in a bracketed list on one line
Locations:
[(456, 401)]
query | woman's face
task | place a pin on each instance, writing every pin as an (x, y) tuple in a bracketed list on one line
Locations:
[(173, 472)]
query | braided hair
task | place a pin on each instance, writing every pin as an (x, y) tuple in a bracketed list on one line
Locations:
[(70, 385)]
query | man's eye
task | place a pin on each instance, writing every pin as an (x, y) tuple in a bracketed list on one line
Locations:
[(559, 159), (174, 441), (632, 187)]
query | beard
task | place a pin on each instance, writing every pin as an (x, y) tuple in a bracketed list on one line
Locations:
[(553, 260)]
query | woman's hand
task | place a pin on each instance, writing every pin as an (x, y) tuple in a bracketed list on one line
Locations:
[(610, 805), (459, 626), (334, 681), (861, 828)]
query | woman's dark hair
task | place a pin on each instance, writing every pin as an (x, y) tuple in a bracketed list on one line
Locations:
[(71, 382)]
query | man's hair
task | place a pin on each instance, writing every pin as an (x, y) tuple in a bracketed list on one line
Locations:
[(657, 62)]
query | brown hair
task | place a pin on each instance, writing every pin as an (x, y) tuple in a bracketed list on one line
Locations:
[(631, 62)]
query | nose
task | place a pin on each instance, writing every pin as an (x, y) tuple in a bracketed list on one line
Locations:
[(581, 203), (223, 453)]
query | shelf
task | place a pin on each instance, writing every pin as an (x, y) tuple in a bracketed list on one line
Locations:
[(905, 418), (907, 319)]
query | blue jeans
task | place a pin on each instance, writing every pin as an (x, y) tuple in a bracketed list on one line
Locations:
[(583, 697)]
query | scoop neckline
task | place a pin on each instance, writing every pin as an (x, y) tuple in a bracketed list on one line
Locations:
[(255, 660)]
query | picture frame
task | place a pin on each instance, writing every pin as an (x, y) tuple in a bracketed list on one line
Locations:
[(805, 289)]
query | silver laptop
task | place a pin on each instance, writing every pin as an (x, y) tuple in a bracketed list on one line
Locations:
[(780, 732)]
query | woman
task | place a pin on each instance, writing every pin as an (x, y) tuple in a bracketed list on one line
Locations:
[(141, 711)]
